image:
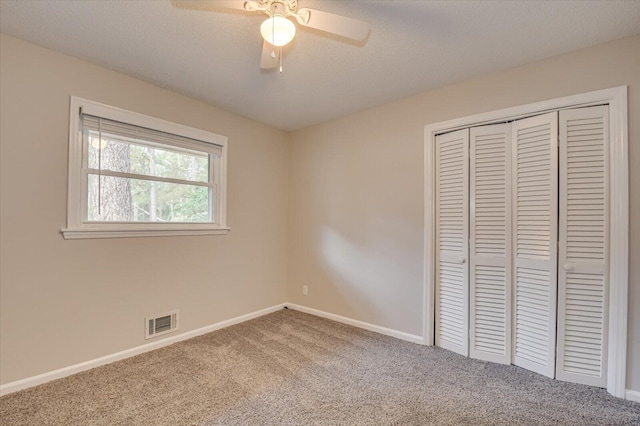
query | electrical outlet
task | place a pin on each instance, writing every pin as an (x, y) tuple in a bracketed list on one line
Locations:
[(305, 290)]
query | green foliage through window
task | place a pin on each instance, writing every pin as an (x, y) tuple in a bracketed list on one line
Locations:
[(146, 196)]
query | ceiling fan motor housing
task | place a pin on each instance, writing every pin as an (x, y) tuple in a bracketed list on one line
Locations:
[(271, 7)]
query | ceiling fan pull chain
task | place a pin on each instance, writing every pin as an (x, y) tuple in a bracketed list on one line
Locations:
[(280, 59)]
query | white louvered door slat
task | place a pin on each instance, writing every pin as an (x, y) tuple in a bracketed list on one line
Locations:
[(583, 248), (452, 234), (490, 243), (535, 225)]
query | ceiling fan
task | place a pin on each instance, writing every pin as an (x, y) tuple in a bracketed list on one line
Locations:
[(278, 29)]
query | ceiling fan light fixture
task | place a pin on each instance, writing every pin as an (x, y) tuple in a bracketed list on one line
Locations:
[(278, 30)]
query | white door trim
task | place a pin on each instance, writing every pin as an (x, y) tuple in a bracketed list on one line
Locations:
[(616, 98)]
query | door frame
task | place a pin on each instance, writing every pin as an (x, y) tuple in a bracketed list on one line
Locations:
[(616, 98)]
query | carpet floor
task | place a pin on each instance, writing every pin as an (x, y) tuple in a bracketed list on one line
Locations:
[(292, 368)]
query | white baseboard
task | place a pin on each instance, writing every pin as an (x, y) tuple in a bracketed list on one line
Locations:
[(632, 395), (360, 324), (87, 365), (8, 388)]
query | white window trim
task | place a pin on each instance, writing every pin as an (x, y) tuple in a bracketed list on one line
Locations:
[(77, 228), (616, 98)]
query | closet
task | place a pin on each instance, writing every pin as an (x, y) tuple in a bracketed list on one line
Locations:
[(521, 233)]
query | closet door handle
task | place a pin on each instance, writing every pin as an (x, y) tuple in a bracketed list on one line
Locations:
[(568, 267), (462, 259)]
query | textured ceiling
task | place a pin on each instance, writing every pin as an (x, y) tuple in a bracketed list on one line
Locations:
[(413, 46)]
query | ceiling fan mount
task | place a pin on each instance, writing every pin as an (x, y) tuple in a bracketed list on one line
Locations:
[(284, 7), (278, 30)]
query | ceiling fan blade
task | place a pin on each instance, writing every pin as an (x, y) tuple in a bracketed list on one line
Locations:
[(270, 56), (244, 5), (335, 24)]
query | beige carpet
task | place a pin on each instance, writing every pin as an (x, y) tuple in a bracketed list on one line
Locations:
[(296, 369)]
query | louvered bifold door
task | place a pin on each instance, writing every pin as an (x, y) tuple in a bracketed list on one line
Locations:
[(452, 233), (535, 225), (582, 277), (490, 243)]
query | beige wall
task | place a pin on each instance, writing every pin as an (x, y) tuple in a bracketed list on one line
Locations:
[(64, 302), (356, 188), (352, 212)]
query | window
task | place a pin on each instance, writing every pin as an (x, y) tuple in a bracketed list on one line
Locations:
[(131, 175)]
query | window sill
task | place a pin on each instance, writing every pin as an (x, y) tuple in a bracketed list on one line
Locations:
[(80, 234)]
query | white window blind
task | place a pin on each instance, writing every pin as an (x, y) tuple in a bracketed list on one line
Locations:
[(138, 134)]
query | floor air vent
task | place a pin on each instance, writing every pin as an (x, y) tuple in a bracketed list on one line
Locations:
[(161, 324)]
